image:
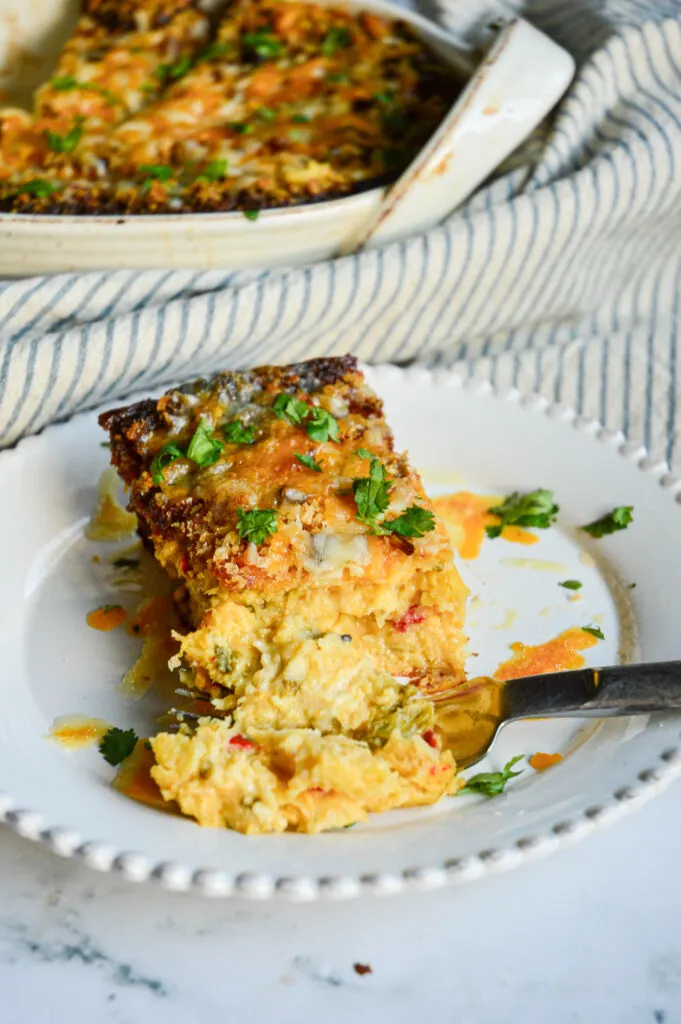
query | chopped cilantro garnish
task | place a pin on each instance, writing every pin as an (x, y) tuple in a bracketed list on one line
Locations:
[(286, 407), (371, 492), (257, 524), (154, 172), (251, 214), (117, 744), (595, 631), (162, 458), (162, 172), (301, 119), (236, 433), (372, 497), (321, 425), (309, 462), (618, 519), (214, 50), (414, 522), (241, 128), (65, 83), (571, 584), (38, 187), (493, 783), (65, 143), (266, 114), (338, 78), (297, 135), (213, 171), (204, 448), (385, 98), (535, 509), (263, 44), (171, 72), (335, 39)]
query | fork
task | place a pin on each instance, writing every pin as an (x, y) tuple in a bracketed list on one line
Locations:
[(469, 717)]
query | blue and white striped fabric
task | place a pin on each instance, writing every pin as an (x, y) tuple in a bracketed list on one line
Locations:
[(562, 277)]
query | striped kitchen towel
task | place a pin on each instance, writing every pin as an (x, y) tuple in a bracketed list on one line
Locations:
[(562, 276)]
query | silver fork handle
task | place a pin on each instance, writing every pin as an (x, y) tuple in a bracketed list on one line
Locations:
[(618, 690)]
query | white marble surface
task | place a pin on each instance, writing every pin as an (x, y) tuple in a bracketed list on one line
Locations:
[(589, 935)]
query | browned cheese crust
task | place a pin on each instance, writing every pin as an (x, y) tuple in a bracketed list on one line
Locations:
[(323, 563)]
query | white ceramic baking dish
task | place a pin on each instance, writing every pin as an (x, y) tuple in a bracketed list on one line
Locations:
[(506, 96)]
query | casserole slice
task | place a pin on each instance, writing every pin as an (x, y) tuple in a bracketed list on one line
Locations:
[(311, 572), (276, 498)]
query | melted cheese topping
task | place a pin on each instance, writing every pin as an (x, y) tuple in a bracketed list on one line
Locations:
[(288, 102)]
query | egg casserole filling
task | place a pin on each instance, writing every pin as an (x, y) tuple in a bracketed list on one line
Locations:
[(311, 572), (156, 106)]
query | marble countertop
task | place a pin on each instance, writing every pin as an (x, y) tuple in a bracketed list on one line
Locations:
[(589, 935)]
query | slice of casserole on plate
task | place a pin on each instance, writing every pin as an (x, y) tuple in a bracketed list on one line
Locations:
[(312, 572)]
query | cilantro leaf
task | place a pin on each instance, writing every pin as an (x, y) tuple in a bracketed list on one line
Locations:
[(236, 433), (171, 72), (309, 462), (214, 50), (321, 425), (241, 128), (38, 187), (371, 492), (64, 143), (335, 39), (286, 407), (618, 519), (160, 172), (204, 448), (257, 524), (155, 172), (117, 744), (595, 631), (571, 584), (66, 83), (372, 499), (493, 783), (266, 114), (167, 454), (251, 214), (63, 83), (263, 44), (537, 509), (213, 171), (414, 522)]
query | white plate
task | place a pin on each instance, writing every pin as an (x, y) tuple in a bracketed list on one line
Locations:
[(54, 664)]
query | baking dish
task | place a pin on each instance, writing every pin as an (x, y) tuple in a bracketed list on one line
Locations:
[(506, 94)]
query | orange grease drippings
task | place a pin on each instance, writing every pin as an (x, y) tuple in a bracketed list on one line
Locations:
[(540, 762), (517, 535), (556, 655), (106, 618), (466, 515), (76, 731), (134, 778)]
